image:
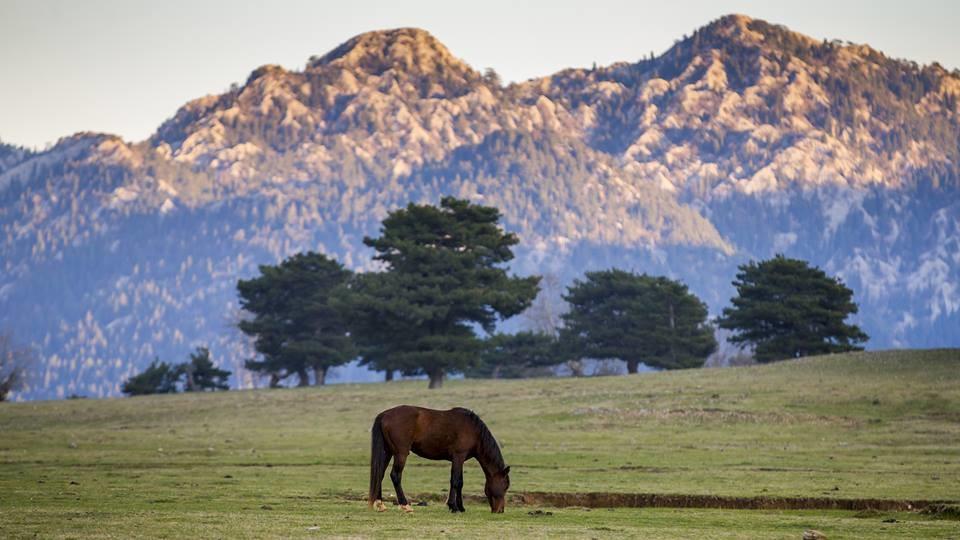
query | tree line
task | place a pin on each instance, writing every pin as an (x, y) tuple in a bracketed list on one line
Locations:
[(433, 306)]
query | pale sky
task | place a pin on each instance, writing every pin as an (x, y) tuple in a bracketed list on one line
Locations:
[(124, 66)]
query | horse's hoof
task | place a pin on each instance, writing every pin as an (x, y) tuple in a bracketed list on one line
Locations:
[(406, 508), (379, 506)]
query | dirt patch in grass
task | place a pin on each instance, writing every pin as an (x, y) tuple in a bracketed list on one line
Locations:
[(655, 500), (866, 507), (943, 511)]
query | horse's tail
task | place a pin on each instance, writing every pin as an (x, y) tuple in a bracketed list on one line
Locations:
[(378, 460)]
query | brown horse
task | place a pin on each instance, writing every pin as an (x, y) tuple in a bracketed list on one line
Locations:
[(455, 435)]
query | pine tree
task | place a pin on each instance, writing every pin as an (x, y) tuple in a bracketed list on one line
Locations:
[(787, 309), (444, 276), (200, 374), (636, 318), (295, 326), (158, 378)]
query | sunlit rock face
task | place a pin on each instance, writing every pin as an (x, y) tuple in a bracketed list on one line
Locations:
[(741, 141)]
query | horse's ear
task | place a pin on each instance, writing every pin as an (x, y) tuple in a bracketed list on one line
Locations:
[(506, 471)]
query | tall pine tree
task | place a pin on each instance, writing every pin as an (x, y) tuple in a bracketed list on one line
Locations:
[(295, 326), (784, 308), (636, 318), (444, 277)]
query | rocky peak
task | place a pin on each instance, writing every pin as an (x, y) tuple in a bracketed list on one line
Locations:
[(741, 30), (266, 71), (409, 50), (733, 27)]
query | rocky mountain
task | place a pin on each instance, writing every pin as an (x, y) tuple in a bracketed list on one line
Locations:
[(741, 141)]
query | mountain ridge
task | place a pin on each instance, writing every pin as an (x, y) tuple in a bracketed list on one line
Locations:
[(742, 140)]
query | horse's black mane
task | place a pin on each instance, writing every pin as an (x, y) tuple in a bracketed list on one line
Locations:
[(488, 448)]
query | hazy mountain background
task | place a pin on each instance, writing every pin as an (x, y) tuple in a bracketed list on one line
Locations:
[(741, 141)]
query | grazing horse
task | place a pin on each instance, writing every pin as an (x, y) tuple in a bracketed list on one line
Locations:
[(455, 435)]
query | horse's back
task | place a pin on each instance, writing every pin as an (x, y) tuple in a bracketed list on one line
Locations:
[(431, 433), (413, 411), (401, 411)]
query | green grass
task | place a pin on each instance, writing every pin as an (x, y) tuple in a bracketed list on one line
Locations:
[(288, 463)]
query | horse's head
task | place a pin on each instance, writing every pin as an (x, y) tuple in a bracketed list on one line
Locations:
[(496, 490)]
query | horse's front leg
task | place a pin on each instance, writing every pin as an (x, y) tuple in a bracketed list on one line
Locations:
[(455, 500), (396, 474)]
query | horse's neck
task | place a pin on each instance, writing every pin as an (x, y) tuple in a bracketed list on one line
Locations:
[(489, 463), (486, 465)]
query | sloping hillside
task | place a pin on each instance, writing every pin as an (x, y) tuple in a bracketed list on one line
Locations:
[(271, 463)]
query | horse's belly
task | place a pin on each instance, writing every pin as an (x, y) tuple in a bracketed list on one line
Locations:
[(430, 453)]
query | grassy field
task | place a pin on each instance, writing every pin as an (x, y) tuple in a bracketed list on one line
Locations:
[(294, 463)]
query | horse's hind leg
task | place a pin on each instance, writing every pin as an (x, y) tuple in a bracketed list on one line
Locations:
[(379, 459), (378, 503), (396, 475), (455, 500)]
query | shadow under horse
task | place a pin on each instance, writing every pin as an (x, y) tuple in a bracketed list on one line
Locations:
[(455, 435)]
